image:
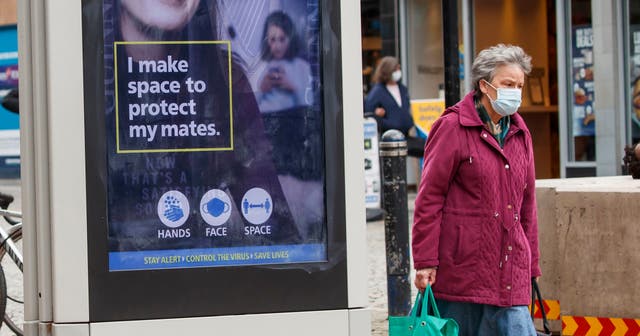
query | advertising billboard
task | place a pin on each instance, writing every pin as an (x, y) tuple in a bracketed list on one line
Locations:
[(634, 66), (214, 133), (583, 81), (9, 121)]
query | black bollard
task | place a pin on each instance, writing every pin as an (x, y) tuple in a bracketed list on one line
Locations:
[(393, 154), (451, 58)]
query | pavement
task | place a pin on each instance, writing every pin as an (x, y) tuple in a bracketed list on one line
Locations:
[(377, 278), (378, 273)]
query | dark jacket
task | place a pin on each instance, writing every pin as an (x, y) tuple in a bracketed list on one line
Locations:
[(475, 213), (396, 117)]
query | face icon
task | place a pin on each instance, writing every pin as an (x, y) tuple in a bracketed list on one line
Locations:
[(165, 15), (278, 42)]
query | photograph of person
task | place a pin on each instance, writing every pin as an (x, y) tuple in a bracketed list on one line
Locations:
[(277, 44), (286, 81), (293, 120), (137, 181)]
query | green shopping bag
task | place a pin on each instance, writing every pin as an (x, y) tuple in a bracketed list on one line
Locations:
[(420, 323)]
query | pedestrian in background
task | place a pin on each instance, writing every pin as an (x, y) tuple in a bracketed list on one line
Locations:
[(390, 103), (475, 232)]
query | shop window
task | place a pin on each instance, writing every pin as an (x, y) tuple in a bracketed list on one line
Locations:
[(634, 67), (582, 125), (425, 49), (371, 40)]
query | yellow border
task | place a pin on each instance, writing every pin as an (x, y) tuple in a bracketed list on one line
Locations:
[(175, 150)]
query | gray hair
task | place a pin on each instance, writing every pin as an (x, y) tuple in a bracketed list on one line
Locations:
[(488, 60)]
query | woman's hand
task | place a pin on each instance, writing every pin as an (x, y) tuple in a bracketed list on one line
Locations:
[(267, 84), (380, 112), (276, 78), (284, 83), (424, 277)]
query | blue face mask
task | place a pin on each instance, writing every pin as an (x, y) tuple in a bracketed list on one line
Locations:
[(507, 102)]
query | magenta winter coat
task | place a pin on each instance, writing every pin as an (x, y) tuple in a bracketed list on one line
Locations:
[(475, 214)]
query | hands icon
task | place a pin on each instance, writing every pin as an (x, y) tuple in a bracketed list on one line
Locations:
[(173, 209), (173, 213)]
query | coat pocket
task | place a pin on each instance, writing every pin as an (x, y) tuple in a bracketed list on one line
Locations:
[(460, 239)]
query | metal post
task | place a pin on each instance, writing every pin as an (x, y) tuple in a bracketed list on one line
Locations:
[(451, 58), (28, 169), (393, 152)]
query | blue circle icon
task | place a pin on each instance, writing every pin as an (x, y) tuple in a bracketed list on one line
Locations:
[(215, 207), (257, 206), (173, 209)]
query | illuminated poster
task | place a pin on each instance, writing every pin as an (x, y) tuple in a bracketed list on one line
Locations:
[(214, 133), (634, 31), (9, 121), (372, 185), (584, 118)]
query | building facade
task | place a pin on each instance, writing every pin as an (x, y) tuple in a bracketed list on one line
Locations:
[(582, 99)]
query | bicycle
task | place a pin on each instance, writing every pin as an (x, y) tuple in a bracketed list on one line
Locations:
[(11, 295)]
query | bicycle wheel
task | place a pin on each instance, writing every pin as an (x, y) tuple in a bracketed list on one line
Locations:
[(3, 294), (13, 311)]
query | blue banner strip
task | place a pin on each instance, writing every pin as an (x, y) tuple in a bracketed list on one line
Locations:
[(9, 45), (217, 257)]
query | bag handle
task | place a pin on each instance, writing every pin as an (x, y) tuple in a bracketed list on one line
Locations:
[(535, 291), (417, 307), (434, 306), (425, 300)]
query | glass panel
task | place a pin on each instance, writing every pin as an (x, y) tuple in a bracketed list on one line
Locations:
[(582, 118), (634, 66), (425, 70), (371, 40), (214, 133)]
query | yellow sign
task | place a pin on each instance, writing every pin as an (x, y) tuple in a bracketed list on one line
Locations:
[(425, 112)]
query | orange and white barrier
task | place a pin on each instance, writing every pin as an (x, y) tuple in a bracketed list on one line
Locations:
[(551, 307)]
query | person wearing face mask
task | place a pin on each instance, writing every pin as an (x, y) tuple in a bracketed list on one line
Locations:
[(475, 231), (389, 101)]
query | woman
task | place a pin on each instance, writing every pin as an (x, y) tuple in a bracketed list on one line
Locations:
[(389, 100), (287, 77), (475, 232)]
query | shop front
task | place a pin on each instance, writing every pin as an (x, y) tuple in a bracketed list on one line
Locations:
[(580, 125)]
